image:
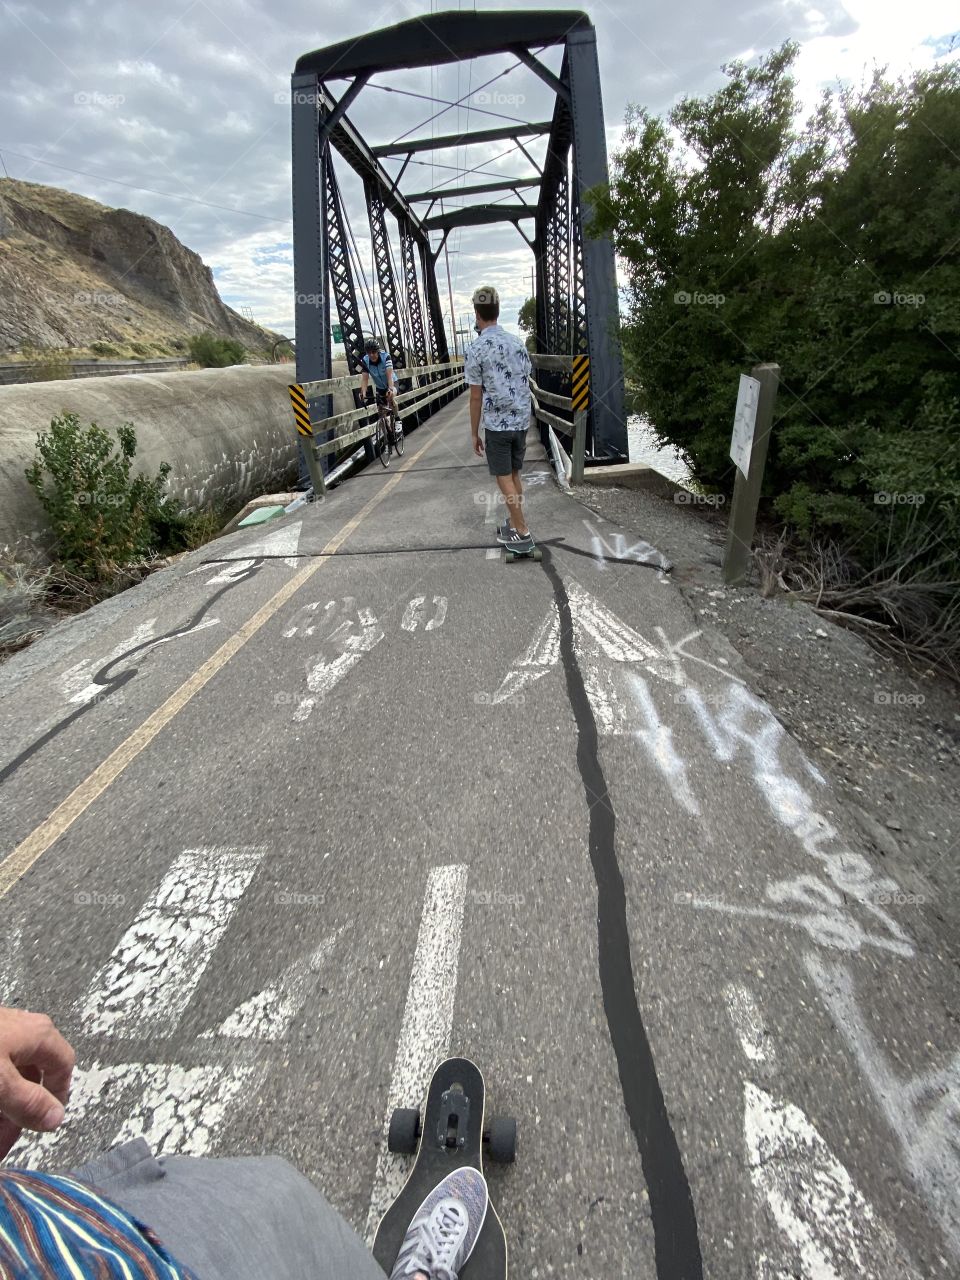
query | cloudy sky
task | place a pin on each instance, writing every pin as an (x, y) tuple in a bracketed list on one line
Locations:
[(179, 110)]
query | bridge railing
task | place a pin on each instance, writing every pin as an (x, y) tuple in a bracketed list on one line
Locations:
[(339, 431), (576, 405)]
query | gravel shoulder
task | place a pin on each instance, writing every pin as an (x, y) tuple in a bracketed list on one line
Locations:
[(887, 737)]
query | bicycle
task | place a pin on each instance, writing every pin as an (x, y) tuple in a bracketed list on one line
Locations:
[(388, 434)]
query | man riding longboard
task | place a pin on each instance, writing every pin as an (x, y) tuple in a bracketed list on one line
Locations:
[(497, 370)]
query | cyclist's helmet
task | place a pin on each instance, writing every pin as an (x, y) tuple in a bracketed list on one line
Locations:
[(371, 345)]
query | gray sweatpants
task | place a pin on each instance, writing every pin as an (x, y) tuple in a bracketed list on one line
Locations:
[(243, 1218)]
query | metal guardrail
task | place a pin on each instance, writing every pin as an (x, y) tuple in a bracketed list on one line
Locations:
[(577, 404), (417, 398)]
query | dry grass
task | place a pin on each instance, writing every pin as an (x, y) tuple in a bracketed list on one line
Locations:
[(907, 604)]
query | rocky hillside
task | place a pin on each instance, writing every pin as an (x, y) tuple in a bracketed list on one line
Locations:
[(74, 273)]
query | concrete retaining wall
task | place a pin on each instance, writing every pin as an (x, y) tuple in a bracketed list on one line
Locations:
[(227, 433), (15, 373)]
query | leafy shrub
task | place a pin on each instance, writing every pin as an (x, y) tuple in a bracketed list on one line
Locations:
[(103, 517), (141, 349), (211, 352), (105, 349)]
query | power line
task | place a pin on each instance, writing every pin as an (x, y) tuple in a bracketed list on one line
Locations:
[(168, 195), (428, 97)]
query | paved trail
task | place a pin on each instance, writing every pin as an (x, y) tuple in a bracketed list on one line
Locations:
[(329, 800)]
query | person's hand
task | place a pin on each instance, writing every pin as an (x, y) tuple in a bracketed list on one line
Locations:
[(478, 446), (36, 1064)]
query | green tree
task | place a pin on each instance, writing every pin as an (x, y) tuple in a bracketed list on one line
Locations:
[(828, 246), (527, 323)]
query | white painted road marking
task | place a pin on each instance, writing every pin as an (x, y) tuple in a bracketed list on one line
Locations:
[(178, 1110), (833, 1230), (284, 541), (424, 1039), (923, 1113), (326, 673), (269, 1014), (156, 966), (76, 680), (413, 614), (748, 1024)]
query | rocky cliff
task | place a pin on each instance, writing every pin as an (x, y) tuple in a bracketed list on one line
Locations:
[(74, 273)]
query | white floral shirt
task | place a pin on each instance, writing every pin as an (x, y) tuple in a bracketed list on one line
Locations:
[(498, 362)]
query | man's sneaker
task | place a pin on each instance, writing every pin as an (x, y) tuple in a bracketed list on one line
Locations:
[(445, 1228), (503, 528), (514, 541)]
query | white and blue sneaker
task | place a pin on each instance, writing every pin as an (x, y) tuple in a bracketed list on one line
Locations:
[(445, 1228)]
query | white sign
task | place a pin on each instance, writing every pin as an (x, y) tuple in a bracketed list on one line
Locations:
[(744, 423)]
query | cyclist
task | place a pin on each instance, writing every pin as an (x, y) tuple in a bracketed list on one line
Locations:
[(378, 367)]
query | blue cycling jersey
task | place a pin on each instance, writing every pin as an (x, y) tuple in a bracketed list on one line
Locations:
[(378, 371)]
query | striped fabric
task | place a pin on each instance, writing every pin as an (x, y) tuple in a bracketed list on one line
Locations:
[(54, 1227)]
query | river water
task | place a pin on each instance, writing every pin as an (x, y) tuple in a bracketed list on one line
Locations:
[(643, 447)]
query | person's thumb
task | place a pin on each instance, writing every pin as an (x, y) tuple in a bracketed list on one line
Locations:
[(28, 1104)]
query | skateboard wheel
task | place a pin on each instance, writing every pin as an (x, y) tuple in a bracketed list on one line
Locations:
[(404, 1131), (502, 1139)]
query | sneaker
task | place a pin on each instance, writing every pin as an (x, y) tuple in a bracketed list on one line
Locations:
[(445, 1228), (516, 541), (503, 528)]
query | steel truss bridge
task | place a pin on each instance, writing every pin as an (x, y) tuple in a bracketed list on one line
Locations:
[(578, 362)]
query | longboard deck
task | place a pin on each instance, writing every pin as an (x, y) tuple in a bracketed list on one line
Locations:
[(433, 1162)]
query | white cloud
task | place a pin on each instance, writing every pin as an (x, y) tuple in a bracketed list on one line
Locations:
[(199, 117)]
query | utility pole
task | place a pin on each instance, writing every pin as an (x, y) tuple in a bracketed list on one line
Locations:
[(453, 318)]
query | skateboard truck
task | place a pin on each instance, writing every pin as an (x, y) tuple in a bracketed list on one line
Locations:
[(453, 1124)]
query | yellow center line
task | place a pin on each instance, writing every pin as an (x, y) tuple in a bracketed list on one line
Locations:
[(22, 858)]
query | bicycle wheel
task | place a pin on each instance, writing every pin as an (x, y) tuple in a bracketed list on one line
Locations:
[(398, 435), (381, 444)]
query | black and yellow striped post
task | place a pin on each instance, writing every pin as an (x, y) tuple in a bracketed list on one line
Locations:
[(580, 399), (581, 383), (301, 416)]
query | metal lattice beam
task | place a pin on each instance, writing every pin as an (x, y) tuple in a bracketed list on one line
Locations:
[(408, 254), (438, 335), (341, 275), (383, 270)]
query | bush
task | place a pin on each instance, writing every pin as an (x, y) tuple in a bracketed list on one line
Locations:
[(211, 352), (103, 517), (140, 349), (105, 349)]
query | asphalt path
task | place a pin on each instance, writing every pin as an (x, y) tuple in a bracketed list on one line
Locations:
[(335, 797)]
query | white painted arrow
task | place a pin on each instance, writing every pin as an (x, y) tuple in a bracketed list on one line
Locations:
[(600, 638)]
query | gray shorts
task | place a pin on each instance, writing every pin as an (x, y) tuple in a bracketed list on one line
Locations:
[(240, 1218), (504, 451)]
